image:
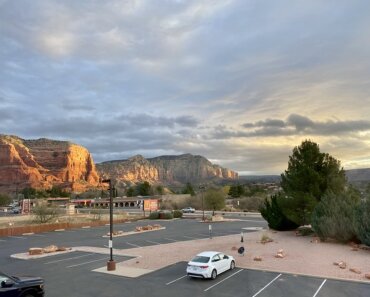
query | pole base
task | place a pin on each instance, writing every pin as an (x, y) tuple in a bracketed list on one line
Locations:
[(111, 265)]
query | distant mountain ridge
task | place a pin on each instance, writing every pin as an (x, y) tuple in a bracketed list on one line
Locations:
[(353, 175), (169, 170), (356, 175)]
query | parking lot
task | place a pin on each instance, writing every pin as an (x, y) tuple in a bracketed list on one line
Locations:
[(72, 274)]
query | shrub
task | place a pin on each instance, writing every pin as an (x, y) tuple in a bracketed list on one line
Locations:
[(167, 215), (333, 216), (274, 215), (177, 213), (45, 214), (253, 203), (362, 222), (154, 215)]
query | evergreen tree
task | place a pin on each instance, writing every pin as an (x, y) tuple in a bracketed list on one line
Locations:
[(188, 189), (309, 176)]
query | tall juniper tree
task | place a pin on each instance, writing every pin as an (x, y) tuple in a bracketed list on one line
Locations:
[(309, 176)]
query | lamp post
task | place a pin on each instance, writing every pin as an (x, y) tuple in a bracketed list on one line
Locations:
[(201, 187), (111, 265)]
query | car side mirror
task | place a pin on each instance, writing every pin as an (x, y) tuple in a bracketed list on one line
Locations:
[(7, 283), (226, 257)]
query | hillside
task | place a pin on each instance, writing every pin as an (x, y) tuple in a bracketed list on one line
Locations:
[(168, 170)]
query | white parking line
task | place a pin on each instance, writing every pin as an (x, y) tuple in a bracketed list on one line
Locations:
[(267, 285), (152, 242), (175, 280), (2, 240), (319, 288), (38, 235), (170, 239), (132, 244), (66, 259), (223, 280), (18, 237), (105, 258)]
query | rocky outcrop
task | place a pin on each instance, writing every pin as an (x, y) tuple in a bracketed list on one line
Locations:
[(166, 170), (44, 163)]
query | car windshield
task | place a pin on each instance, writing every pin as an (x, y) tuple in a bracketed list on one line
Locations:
[(200, 259)]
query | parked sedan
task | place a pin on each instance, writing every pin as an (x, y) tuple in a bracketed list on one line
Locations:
[(21, 286), (209, 264), (188, 210)]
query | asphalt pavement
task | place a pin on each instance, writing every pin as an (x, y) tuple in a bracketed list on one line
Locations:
[(71, 274)]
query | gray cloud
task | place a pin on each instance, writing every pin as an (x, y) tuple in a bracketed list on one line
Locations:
[(296, 125), (127, 77)]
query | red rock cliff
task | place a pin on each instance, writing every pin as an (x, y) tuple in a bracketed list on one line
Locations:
[(44, 163)]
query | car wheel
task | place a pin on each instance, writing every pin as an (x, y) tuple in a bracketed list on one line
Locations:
[(214, 274), (232, 265)]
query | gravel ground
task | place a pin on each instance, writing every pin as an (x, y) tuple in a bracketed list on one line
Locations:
[(302, 255)]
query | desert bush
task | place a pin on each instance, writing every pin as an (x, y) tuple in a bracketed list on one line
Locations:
[(273, 214), (177, 213), (333, 216), (154, 215), (167, 216), (45, 214), (362, 222), (253, 203), (96, 214)]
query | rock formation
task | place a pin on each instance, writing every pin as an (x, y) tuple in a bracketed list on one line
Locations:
[(44, 163), (166, 170)]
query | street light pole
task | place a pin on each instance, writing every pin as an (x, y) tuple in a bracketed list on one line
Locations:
[(111, 265), (201, 187)]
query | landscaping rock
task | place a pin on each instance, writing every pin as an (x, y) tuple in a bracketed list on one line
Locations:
[(342, 265), (257, 258), (63, 249), (280, 254), (367, 275), (50, 249), (35, 251), (355, 270)]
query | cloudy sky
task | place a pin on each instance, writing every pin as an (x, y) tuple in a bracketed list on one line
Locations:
[(239, 82)]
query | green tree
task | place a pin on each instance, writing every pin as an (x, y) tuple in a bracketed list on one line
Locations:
[(188, 189), (309, 176), (273, 214), (214, 199), (143, 189), (130, 192), (159, 189), (29, 193), (4, 199), (57, 192), (236, 191)]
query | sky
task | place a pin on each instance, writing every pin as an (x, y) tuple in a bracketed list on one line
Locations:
[(239, 82)]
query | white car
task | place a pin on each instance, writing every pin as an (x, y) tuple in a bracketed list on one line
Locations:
[(188, 210), (209, 264)]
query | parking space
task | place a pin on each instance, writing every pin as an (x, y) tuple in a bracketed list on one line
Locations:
[(245, 282)]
